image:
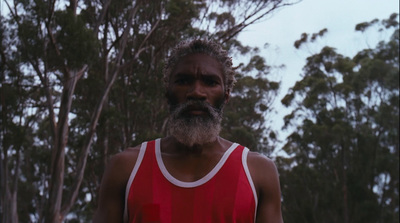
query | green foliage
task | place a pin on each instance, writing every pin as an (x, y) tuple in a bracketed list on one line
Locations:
[(343, 163), (363, 26), (244, 116), (304, 37), (72, 31)]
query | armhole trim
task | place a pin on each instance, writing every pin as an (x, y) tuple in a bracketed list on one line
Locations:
[(132, 176), (247, 171)]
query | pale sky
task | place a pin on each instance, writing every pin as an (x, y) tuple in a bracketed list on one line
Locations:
[(310, 16)]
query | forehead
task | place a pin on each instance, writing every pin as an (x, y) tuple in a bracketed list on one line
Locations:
[(198, 64)]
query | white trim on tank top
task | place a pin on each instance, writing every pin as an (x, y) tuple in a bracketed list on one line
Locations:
[(132, 176), (247, 171), (196, 183)]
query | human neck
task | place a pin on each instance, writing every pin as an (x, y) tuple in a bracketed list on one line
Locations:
[(174, 146)]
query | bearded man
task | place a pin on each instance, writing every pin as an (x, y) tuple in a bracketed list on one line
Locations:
[(192, 175)]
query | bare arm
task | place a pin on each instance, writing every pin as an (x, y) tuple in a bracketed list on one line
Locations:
[(266, 181), (112, 190)]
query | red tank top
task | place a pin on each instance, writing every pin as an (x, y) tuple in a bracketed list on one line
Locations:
[(226, 194)]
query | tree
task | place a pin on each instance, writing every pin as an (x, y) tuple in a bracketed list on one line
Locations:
[(80, 80), (343, 163), (250, 103)]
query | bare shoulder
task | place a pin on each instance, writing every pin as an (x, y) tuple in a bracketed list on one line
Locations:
[(126, 158), (264, 173), (121, 164), (266, 181), (112, 190), (261, 166)]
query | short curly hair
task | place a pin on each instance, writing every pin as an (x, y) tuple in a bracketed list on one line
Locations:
[(207, 47)]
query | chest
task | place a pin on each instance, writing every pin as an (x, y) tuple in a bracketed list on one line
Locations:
[(224, 194)]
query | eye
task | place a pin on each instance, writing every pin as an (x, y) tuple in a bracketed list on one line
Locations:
[(182, 81), (210, 82)]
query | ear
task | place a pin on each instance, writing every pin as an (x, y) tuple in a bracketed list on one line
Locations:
[(168, 96), (227, 95)]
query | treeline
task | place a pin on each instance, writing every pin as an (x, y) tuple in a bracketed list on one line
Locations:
[(343, 163)]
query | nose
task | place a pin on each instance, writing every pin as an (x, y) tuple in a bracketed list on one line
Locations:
[(197, 91)]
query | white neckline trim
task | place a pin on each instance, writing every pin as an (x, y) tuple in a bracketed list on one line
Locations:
[(196, 183)]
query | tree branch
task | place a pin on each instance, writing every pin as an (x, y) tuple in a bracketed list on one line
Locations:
[(73, 194), (101, 17), (232, 32)]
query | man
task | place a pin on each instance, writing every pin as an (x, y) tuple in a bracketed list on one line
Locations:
[(192, 175)]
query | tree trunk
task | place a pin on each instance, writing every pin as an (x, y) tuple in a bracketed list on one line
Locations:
[(72, 196), (8, 201), (13, 207), (344, 186), (9, 208), (56, 182)]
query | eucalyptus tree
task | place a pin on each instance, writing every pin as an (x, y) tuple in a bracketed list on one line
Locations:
[(343, 163)]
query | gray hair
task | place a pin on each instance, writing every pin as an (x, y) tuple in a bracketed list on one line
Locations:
[(205, 47)]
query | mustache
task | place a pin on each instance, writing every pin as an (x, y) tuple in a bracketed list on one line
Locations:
[(195, 129), (190, 105)]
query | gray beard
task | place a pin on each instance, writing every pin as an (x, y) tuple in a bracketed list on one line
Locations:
[(193, 130)]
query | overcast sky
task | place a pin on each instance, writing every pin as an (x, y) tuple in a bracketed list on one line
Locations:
[(310, 16)]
